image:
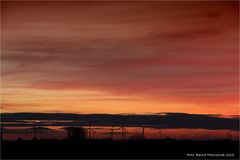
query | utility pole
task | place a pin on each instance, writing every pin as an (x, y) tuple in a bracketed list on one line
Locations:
[(123, 136), (2, 133), (35, 132), (89, 131), (112, 132), (143, 132)]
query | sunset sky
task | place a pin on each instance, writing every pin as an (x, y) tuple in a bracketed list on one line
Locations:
[(120, 57)]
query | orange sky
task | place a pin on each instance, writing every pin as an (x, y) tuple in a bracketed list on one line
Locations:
[(120, 57)]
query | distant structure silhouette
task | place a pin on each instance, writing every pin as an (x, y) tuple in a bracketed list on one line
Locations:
[(91, 131), (228, 135), (143, 132), (2, 128), (38, 132), (19, 139), (112, 132), (160, 134), (124, 131), (35, 132), (43, 132), (76, 133)]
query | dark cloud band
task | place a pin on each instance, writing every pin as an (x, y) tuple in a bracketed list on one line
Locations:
[(161, 120)]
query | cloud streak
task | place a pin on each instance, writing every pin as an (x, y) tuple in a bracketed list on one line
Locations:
[(140, 49)]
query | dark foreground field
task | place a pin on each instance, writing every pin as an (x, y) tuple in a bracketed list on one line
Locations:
[(60, 149)]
